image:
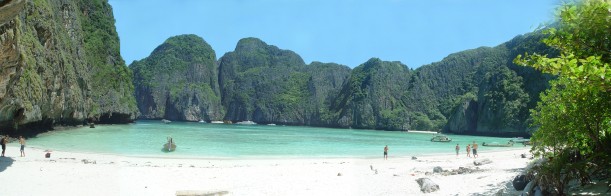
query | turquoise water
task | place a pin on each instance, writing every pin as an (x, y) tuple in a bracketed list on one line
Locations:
[(201, 140)]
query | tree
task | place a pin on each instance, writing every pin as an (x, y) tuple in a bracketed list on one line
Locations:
[(574, 115)]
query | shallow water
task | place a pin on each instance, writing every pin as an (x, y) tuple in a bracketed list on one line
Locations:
[(202, 140)]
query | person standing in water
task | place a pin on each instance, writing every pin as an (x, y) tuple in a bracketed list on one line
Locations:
[(468, 150), (457, 149), (475, 150), (22, 142), (386, 152)]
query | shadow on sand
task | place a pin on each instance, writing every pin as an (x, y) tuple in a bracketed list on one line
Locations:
[(5, 162)]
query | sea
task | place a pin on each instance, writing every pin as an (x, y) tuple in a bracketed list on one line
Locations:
[(145, 138)]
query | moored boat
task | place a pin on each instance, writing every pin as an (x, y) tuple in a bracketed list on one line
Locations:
[(248, 122), (496, 144), (441, 138), (169, 147), (519, 140)]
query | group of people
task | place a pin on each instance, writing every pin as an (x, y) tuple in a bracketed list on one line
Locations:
[(469, 148), (5, 139)]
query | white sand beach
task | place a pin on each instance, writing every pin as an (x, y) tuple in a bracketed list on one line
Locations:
[(68, 173)]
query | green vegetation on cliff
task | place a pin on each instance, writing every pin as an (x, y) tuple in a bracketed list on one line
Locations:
[(62, 66), (263, 83), (372, 97), (111, 80), (477, 91), (178, 81)]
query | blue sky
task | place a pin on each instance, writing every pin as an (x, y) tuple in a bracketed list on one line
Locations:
[(348, 32)]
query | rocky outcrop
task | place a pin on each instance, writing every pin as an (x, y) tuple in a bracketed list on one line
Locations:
[(9, 9), (372, 98), (427, 185), (326, 81), (464, 118), (496, 94), (477, 91), (56, 70), (178, 81), (263, 83)]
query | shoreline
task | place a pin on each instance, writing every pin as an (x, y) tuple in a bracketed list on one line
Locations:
[(103, 174), (278, 157)]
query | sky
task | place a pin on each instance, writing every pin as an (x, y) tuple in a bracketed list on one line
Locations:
[(348, 32)]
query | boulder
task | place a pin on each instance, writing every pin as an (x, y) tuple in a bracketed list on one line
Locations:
[(427, 185), (482, 162), (463, 170), (519, 182), (437, 169), (414, 158)]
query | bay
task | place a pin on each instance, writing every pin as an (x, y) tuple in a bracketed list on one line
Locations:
[(231, 141)]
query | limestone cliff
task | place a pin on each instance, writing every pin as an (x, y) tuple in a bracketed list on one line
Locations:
[(262, 83), (61, 66), (373, 97), (178, 81), (497, 95)]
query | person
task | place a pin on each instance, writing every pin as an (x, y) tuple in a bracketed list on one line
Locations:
[(386, 152), (3, 141), (457, 149), (22, 142), (475, 150), (468, 150)]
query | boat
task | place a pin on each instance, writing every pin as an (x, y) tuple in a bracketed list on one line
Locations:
[(441, 138), (165, 121), (167, 147), (519, 140), (496, 144), (216, 122), (248, 122)]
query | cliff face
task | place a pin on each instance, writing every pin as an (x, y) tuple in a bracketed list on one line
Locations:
[(178, 81), (263, 83), (256, 82), (477, 91), (61, 66), (501, 91), (326, 81), (373, 97)]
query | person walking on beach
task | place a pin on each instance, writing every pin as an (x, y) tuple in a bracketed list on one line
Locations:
[(386, 152), (457, 149), (474, 150), (468, 150), (22, 142), (3, 141)]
